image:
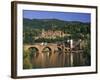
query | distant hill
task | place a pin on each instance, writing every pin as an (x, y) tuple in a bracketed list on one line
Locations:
[(49, 23)]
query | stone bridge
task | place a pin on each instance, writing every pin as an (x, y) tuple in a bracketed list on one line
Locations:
[(40, 47), (43, 60)]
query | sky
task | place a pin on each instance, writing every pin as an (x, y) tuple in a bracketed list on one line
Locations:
[(66, 16)]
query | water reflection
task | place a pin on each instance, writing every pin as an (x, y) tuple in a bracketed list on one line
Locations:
[(57, 58)]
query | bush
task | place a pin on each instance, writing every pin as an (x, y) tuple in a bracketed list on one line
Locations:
[(26, 61)]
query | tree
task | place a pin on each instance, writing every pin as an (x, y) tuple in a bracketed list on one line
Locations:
[(26, 60), (87, 49)]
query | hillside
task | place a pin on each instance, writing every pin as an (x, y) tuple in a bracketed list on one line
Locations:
[(50, 23), (33, 28)]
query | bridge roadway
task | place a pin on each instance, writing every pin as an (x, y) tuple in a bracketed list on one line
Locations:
[(40, 47)]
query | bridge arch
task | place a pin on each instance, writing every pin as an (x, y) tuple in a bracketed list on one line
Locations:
[(34, 51), (47, 50), (58, 50)]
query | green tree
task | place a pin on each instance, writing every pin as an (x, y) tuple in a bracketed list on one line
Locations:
[(87, 49), (26, 60)]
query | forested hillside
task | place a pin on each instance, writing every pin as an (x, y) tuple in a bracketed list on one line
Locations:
[(33, 27)]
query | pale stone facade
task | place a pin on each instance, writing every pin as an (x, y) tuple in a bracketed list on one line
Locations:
[(52, 34)]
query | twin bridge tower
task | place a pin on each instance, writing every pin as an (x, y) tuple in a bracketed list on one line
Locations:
[(54, 55)]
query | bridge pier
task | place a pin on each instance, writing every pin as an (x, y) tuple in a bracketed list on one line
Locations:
[(64, 56)]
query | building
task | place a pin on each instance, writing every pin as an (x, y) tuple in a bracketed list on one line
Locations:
[(52, 34)]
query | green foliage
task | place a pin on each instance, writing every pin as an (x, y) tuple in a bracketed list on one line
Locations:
[(33, 28), (26, 60), (87, 50)]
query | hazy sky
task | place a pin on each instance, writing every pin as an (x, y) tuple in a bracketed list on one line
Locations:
[(66, 16)]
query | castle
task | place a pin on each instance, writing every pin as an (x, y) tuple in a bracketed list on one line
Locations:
[(52, 34)]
